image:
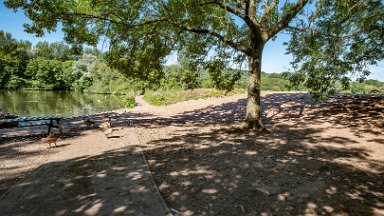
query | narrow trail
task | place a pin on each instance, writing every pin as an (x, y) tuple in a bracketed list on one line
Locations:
[(143, 106)]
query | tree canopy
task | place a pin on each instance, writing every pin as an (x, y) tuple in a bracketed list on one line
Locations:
[(330, 39), (337, 42)]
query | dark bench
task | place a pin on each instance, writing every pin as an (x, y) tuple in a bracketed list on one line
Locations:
[(34, 121)]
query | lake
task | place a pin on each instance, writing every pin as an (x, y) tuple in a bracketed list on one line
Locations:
[(42, 103)]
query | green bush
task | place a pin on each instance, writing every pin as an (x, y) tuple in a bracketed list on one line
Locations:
[(155, 97), (130, 102), (222, 78), (16, 82), (269, 83)]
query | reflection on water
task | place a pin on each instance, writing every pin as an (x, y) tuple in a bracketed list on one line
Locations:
[(41, 103)]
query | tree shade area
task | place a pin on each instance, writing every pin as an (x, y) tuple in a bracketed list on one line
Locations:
[(329, 39)]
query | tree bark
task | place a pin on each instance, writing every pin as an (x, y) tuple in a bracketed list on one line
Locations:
[(253, 112)]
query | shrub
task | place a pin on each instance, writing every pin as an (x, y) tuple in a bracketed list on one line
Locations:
[(223, 79), (130, 102)]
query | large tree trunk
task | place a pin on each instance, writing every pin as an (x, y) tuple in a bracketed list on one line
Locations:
[(253, 113)]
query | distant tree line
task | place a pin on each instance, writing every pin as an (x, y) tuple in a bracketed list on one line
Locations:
[(56, 66)]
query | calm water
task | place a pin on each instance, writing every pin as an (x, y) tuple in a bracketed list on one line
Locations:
[(41, 103)]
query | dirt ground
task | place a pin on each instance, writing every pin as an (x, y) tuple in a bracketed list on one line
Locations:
[(316, 159)]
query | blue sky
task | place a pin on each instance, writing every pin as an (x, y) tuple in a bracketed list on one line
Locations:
[(274, 57)]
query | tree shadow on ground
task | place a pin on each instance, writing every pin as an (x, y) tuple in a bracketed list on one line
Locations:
[(362, 116), (285, 172), (21, 149), (362, 113), (293, 170), (24, 144), (289, 171), (105, 184)]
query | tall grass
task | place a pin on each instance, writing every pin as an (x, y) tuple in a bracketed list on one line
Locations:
[(166, 97)]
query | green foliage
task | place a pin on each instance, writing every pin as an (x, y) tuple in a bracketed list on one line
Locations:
[(222, 79), (53, 51), (82, 71), (166, 97), (181, 76), (130, 102), (108, 80), (172, 77), (48, 74), (367, 86), (189, 79), (15, 82), (337, 39), (358, 88), (156, 97), (269, 83), (14, 56)]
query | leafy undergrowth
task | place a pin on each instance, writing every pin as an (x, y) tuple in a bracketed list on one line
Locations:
[(130, 102), (166, 97)]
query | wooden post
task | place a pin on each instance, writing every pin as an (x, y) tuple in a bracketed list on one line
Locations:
[(50, 126)]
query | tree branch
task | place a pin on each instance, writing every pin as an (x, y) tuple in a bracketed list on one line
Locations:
[(251, 23), (103, 18), (252, 11), (317, 32), (268, 10), (250, 17), (284, 21), (223, 39), (228, 8), (240, 4)]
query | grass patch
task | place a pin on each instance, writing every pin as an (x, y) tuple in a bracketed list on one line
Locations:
[(166, 97)]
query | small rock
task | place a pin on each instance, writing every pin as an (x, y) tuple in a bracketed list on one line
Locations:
[(174, 210), (242, 208), (263, 190)]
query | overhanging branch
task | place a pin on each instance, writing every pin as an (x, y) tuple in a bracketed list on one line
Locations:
[(103, 18), (223, 39), (228, 8), (318, 32), (268, 10), (250, 17), (284, 21)]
